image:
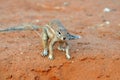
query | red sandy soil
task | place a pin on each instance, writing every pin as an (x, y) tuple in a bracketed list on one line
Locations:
[(96, 56)]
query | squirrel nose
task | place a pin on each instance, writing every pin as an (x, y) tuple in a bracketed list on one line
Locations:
[(64, 38)]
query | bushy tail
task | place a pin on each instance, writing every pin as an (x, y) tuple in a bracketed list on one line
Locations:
[(21, 28), (72, 37)]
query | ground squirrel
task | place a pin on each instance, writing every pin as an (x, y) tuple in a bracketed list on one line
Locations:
[(54, 31)]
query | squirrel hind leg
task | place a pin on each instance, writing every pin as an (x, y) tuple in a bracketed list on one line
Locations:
[(61, 46)]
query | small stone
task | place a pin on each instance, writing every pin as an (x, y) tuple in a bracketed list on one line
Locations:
[(107, 22), (37, 20), (72, 61), (77, 50), (118, 24), (66, 3), (21, 52), (107, 9)]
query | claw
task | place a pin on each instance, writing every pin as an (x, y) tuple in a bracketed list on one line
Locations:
[(68, 57), (50, 57), (45, 53)]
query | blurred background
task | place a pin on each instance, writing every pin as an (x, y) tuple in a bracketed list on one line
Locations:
[(96, 56)]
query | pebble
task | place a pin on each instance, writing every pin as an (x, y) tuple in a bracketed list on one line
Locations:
[(21, 52), (107, 22), (37, 20), (77, 50), (118, 24), (72, 61), (107, 9), (66, 3)]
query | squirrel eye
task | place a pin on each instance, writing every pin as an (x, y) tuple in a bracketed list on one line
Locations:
[(59, 32)]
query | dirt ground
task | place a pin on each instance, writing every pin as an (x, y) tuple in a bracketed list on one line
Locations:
[(96, 56)]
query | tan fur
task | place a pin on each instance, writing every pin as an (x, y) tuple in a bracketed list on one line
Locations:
[(49, 32)]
